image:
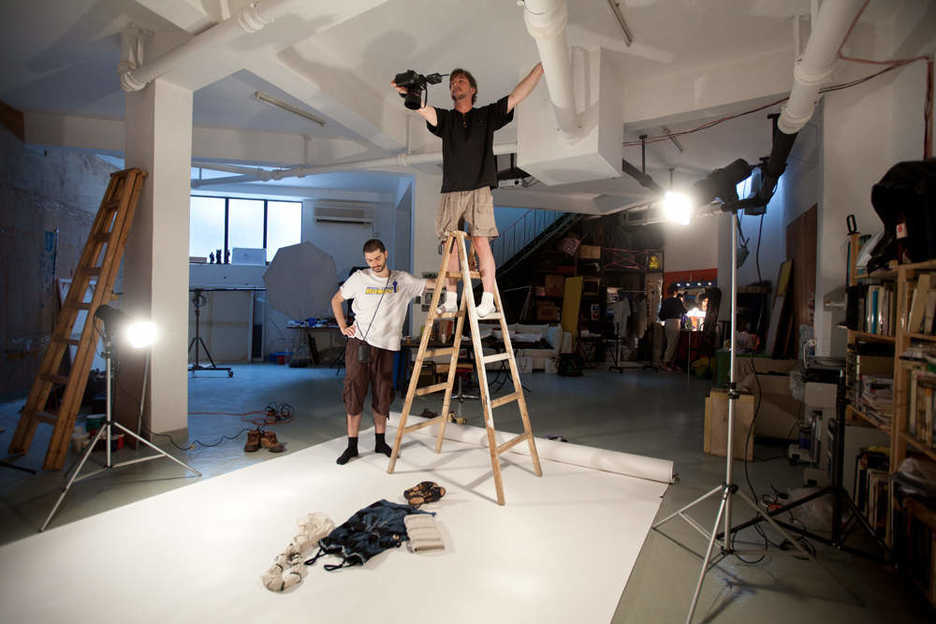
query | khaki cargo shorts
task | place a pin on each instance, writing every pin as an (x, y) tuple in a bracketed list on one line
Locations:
[(476, 207)]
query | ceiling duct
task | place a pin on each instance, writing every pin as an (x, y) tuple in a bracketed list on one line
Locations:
[(348, 212)]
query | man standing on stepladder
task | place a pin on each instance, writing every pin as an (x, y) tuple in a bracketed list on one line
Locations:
[(469, 171)]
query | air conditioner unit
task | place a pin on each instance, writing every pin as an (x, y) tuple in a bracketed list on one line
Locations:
[(349, 212)]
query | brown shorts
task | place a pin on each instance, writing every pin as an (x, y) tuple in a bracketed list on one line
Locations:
[(378, 371), (476, 207)]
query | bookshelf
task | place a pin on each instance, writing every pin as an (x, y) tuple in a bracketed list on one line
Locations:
[(902, 281)]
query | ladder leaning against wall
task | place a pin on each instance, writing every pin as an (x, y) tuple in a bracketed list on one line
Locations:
[(96, 271)]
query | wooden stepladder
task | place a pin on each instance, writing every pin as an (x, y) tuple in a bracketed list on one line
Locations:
[(97, 269), (455, 243)]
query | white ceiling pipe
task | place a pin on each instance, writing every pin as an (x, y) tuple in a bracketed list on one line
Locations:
[(251, 18), (818, 61), (546, 22), (400, 160)]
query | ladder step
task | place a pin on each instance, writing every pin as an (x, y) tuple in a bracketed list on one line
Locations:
[(435, 352), (47, 417), (430, 389), (511, 443), (507, 398), (473, 274), (493, 316), (497, 357), (70, 341), (56, 379), (446, 315), (427, 423), (92, 271)]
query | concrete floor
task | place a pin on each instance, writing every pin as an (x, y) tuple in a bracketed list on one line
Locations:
[(641, 412)]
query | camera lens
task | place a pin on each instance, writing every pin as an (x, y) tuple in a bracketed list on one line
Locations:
[(413, 99)]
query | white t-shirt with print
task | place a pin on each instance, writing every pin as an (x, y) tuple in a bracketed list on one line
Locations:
[(388, 297)]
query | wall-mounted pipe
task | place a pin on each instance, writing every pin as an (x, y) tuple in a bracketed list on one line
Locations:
[(250, 19), (546, 22)]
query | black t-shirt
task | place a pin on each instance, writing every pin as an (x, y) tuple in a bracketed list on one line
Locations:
[(468, 145), (671, 308)]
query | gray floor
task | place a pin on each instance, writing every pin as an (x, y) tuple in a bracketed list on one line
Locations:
[(642, 412)]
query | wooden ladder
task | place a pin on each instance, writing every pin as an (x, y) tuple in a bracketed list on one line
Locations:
[(455, 243), (97, 269)]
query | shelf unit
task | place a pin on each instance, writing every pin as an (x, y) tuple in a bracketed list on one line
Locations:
[(901, 442)]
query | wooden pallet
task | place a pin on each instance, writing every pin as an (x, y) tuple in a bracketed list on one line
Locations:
[(96, 270), (455, 243)]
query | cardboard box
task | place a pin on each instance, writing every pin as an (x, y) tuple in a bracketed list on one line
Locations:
[(589, 252), (555, 284), (778, 412), (547, 311), (716, 425)]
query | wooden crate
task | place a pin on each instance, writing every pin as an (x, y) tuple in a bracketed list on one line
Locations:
[(716, 425)]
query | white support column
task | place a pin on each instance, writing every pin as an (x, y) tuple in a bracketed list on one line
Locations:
[(155, 270)]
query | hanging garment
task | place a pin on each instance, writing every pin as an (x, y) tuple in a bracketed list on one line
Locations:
[(369, 532)]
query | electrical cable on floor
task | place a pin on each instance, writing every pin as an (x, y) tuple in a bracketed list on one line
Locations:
[(276, 413)]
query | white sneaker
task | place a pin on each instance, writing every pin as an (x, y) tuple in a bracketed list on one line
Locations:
[(486, 307), (449, 304)]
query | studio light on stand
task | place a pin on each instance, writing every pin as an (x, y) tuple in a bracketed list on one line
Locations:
[(119, 329), (719, 192)]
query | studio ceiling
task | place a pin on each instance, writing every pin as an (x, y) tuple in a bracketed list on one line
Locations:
[(690, 62)]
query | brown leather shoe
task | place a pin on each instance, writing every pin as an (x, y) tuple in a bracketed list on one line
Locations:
[(269, 441), (253, 441)]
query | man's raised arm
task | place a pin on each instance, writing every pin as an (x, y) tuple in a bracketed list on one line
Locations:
[(524, 87)]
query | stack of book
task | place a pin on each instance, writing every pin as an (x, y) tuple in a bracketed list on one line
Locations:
[(877, 310), (877, 398), (922, 309), (921, 407)]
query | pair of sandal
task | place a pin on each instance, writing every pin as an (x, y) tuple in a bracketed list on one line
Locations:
[(424, 492)]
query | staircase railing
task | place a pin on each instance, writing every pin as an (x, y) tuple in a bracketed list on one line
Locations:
[(522, 232)]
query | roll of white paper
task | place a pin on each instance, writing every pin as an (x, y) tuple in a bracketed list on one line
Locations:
[(651, 468)]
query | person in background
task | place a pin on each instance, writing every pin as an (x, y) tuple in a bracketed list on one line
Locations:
[(671, 313)]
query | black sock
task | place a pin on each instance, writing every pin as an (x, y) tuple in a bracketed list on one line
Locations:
[(349, 452), (381, 445)]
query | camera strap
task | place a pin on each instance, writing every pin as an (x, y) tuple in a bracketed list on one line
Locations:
[(379, 301)]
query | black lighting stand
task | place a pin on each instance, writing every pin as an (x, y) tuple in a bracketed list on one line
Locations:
[(105, 433), (198, 300), (728, 489), (840, 533)]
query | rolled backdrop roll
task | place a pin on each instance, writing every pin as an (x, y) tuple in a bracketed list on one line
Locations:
[(639, 466)]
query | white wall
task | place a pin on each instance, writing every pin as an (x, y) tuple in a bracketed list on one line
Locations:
[(867, 130)]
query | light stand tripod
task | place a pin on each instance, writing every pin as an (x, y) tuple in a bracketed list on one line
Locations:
[(840, 533), (728, 489), (198, 299), (105, 433)]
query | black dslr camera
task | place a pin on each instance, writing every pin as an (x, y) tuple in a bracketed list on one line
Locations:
[(415, 84)]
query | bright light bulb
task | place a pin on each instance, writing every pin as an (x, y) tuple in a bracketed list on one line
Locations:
[(677, 207), (141, 334)]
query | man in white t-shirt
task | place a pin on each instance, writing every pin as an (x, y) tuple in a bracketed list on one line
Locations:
[(380, 301)]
